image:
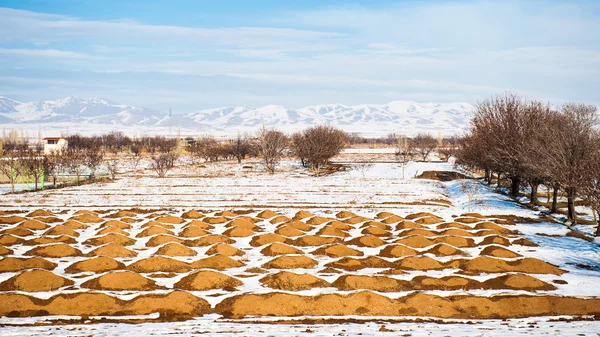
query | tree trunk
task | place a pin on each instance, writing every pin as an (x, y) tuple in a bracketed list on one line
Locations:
[(499, 175), (54, 182), (515, 182), (598, 228), (488, 176), (571, 216), (36, 183), (554, 199), (533, 198), (239, 160)]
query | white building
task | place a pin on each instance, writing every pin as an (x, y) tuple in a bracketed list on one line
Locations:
[(54, 144)]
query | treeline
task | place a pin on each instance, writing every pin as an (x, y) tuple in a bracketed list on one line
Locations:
[(531, 143)]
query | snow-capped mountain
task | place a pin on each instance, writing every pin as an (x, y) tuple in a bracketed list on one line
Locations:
[(97, 113)]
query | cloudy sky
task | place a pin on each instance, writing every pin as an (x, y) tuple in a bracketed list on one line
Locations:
[(189, 55)]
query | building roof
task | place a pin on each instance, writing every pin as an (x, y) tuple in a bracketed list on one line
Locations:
[(53, 138)]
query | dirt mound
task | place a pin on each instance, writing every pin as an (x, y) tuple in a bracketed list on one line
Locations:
[(445, 283), (112, 250), (285, 280), (153, 230), (455, 225), (277, 248), (111, 230), (289, 231), (332, 231), (39, 212), (33, 224), (218, 262), (495, 240), (415, 241), (161, 239), (13, 264), (356, 220), (372, 230), (484, 264), (468, 219), (524, 242), (44, 240), (344, 214), (318, 220), (61, 230), (290, 262), (397, 251), (34, 281), (302, 215), (159, 224), (215, 220), (115, 223), (492, 226), (242, 223), (192, 232), (207, 280), (498, 251), (420, 263), (200, 224), (367, 241), (75, 225), (224, 249), (517, 282), (418, 215), (226, 213), (315, 240), (280, 219), (121, 280), (11, 220), (121, 214), (192, 215), (444, 250), (18, 231), (264, 239), (49, 219), (429, 220), (456, 241), (169, 219), (353, 264), (377, 283), (407, 224), (417, 231), (267, 214), (96, 265), (442, 175), (159, 264), (392, 219), (297, 224), (460, 232), (5, 251), (383, 215), (337, 250), (175, 249), (239, 232), (373, 223), (87, 218), (209, 240), (55, 250), (9, 240), (110, 238)]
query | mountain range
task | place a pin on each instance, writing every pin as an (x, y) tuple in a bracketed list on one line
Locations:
[(398, 116)]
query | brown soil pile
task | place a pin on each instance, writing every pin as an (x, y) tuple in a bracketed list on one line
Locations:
[(407, 224), (200, 224), (13, 264), (39, 212), (517, 282), (206, 280), (267, 214), (161, 239), (460, 232), (356, 220), (121, 280), (110, 238), (55, 250), (302, 215), (96, 265), (293, 282), (11, 220), (44, 240), (111, 230), (444, 250), (494, 240), (445, 283), (239, 232), (392, 219), (121, 214), (210, 240), (159, 224), (315, 240), (159, 264), (375, 224), (429, 220), (524, 242), (456, 241), (277, 248), (153, 230), (61, 230), (173, 305), (5, 251), (420, 263), (87, 218), (468, 219), (297, 224), (225, 250), (75, 225), (329, 271), (289, 231), (318, 220), (218, 262), (175, 249), (492, 226), (9, 240), (392, 251), (49, 219), (116, 224), (332, 231), (418, 215), (337, 250), (192, 215), (169, 219), (415, 241), (192, 232), (264, 239), (367, 241), (33, 224), (18, 231), (344, 214), (484, 264), (498, 251), (242, 223), (442, 175), (226, 213), (377, 283), (417, 231), (35, 280), (215, 220), (112, 250), (290, 262), (353, 264), (280, 219), (372, 230), (453, 225)]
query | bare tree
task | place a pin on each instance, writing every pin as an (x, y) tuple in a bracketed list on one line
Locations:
[(162, 163), (273, 145), (299, 147), (53, 165), (112, 166), (404, 152), (240, 147), (424, 144), (11, 165), (33, 165), (92, 158), (320, 143), (136, 155), (74, 160)]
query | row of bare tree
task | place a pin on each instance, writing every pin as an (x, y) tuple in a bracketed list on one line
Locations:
[(529, 142)]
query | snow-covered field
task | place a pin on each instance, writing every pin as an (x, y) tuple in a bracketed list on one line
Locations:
[(366, 191)]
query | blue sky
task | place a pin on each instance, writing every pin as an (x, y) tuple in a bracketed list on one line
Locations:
[(189, 55)]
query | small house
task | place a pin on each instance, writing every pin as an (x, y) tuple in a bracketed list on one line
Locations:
[(54, 145)]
